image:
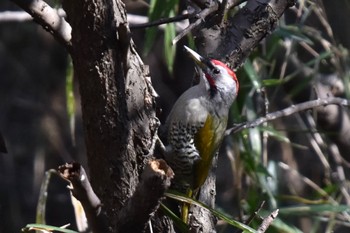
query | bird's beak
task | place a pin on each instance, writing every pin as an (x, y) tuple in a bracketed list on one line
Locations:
[(200, 61)]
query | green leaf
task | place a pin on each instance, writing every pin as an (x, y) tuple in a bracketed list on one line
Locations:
[(153, 13), (320, 57), (254, 133), (272, 46), (294, 32), (283, 227), (70, 98), (177, 221), (276, 134), (158, 9), (300, 87), (253, 76), (302, 200), (281, 137), (45, 228), (41, 206), (313, 209), (180, 197), (272, 82), (169, 48), (307, 80)]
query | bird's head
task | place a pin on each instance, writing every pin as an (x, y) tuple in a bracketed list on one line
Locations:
[(219, 78)]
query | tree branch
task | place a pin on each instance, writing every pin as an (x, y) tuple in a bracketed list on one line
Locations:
[(267, 222), (242, 32), (49, 19), (332, 118), (21, 16), (200, 18), (288, 111), (82, 191), (233, 3), (136, 213), (161, 21), (135, 21)]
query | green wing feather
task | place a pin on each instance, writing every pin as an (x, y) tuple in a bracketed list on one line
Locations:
[(207, 141)]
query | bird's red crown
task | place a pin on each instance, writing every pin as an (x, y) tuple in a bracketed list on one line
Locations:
[(229, 71)]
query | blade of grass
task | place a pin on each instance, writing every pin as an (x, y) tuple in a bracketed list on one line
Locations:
[(177, 221), (226, 218), (169, 48), (41, 207), (45, 228), (253, 76), (283, 227), (70, 99), (313, 209)]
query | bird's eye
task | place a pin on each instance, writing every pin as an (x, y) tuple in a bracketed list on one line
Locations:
[(216, 71)]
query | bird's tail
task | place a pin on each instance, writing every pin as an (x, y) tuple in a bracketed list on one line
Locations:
[(186, 206)]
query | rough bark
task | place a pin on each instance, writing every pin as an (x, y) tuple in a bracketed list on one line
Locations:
[(155, 180), (116, 100), (234, 41)]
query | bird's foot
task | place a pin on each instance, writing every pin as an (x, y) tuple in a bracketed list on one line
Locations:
[(156, 142)]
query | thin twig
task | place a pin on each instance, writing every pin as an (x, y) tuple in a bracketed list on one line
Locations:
[(49, 19), (313, 185), (287, 112), (162, 21), (83, 192), (252, 216), (222, 11), (234, 3), (201, 16), (265, 133), (41, 206), (21, 16), (307, 181), (135, 21), (316, 142), (267, 222)]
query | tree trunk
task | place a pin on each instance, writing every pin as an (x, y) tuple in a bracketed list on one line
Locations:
[(116, 99)]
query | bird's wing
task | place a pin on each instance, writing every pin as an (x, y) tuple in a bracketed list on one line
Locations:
[(207, 141)]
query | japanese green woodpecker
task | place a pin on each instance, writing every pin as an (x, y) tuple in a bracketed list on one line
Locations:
[(197, 123)]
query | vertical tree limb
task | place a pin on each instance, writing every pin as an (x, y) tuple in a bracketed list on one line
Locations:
[(116, 97)]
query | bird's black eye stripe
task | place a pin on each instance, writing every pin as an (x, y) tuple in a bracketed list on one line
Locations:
[(211, 66), (209, 63)]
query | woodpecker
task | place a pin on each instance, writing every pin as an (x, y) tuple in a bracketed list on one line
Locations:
[(196, 124)]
